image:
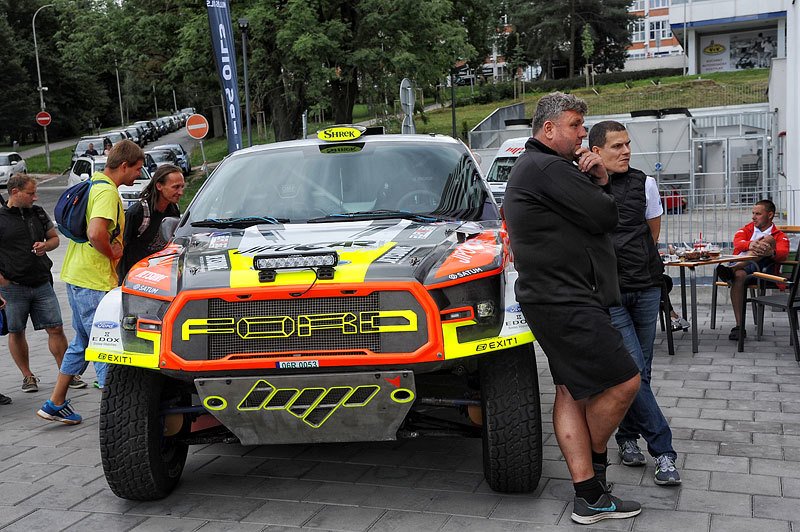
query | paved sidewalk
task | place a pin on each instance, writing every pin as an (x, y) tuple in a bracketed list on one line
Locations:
[(735, 418)]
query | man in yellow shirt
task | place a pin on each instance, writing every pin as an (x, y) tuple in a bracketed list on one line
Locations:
[(89, 270)]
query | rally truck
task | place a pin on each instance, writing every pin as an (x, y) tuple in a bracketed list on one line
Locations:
[(353, 287)]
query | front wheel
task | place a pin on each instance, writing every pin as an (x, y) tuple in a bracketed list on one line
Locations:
[(140, 463), (512, 420)]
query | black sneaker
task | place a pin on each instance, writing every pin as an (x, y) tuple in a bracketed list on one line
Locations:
[(5, 400), (606, 507), (631, 454), (734, 335), (77, 382)]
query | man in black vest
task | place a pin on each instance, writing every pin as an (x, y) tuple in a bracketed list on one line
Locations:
[(559, 213), (640, 273)]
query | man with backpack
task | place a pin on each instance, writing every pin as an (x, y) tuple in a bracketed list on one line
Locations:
[(27, 234), (89, 270), (142, 219)]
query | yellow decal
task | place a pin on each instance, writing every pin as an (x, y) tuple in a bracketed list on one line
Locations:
[(129, 358), (257, 327), (312, 405), (402, 395), (454, 349), (352, 268), (713, 49), (338, 133)]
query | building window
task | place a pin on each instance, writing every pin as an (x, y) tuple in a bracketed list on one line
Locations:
[(637, 5), (655, 4), (637, 31), (659, 30)]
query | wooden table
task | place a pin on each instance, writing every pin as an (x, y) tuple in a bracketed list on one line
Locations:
[(691, 265)]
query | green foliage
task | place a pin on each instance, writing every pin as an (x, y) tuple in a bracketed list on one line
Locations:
[(551, 33)]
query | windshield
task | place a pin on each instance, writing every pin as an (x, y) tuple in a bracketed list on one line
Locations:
[(83, 145), (162, 156), (115, 136), (299, 183), (501, 169)]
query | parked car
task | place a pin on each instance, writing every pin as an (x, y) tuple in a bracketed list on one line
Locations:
[(149, 130), (115, 137), (83, 145), (162, 157), (181, 155), (84, 167), (11, 163), (135, 135), (507, 155)]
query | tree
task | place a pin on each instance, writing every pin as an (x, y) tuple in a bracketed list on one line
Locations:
[(550, 31)]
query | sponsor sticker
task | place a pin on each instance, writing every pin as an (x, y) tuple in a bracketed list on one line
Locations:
[(396, 254), (422, 233), (300, 364), (219, 241), (106, 324)]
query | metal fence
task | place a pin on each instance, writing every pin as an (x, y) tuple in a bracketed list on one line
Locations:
[(714, 215)]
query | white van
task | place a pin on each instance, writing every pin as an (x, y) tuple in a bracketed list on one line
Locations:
[(501, 166)]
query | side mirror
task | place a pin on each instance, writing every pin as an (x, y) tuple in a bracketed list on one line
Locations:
[(167, 228), (84, 177)]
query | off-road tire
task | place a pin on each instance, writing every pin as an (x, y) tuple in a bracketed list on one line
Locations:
[(139, 462), (512, 420)]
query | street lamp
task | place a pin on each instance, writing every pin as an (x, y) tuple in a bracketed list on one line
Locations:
[(244, 25), (155, 100), (119, 93), (40, 88)]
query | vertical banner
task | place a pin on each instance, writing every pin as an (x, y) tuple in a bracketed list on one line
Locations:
[(219, 20)]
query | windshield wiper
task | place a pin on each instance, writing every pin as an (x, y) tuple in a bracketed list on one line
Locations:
[(245, 221), (376, 214)]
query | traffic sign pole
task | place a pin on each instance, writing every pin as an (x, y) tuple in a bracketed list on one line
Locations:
[(205, 164), (46, 149)]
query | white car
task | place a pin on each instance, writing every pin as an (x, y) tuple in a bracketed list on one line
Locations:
[(507, 155), (84, 167), (11, 163)]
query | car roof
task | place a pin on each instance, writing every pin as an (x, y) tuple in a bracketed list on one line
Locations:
[(7, 153), (367, 137)]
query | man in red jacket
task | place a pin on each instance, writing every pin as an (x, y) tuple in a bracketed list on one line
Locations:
[(760, 238)]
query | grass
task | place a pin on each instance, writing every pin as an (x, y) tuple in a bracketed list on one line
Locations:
[(708, 90), (60, 161)]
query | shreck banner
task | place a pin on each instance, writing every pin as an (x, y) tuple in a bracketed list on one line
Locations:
[(219, 20)]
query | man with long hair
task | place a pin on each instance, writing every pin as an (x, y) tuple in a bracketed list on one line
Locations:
[(142, 219)]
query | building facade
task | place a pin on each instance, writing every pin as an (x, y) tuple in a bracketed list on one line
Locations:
[(652, 43), (722, 35)]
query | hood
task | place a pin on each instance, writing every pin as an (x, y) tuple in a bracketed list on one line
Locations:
[(433, 254)]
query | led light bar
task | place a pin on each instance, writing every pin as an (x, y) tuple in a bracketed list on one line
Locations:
[(296, 260)]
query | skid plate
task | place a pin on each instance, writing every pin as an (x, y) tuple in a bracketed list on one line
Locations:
[(339, 407)]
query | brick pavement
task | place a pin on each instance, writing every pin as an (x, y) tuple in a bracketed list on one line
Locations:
[(735, 419)]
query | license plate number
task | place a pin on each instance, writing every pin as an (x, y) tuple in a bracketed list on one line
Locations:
[(300, 364)]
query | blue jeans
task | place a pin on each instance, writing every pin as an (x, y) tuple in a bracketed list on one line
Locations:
[(83, 302), (636, 321)]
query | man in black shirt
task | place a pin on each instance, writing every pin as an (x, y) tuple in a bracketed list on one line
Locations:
[(90, 150), (641, 282), (27, 235), (559, 213), (142, 220)]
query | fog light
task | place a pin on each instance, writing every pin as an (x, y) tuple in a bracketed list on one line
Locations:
[(485, 309)]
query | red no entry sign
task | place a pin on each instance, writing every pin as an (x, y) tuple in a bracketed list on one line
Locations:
[(197, 126), (43, 118)]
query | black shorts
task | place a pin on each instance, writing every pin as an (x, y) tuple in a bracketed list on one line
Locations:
[(585, 352)]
